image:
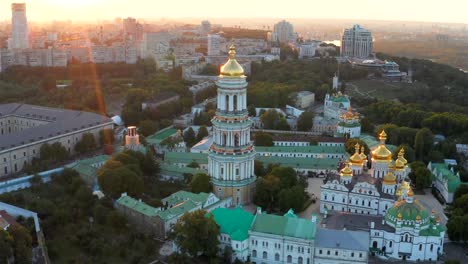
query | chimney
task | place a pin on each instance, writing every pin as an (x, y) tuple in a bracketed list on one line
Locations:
[(372, 225), (314, 219)]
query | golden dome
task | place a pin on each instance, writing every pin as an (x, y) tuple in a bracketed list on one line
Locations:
[(381, 152), (410, 193), (399, 216), (346, 171), (401, 156), (389, 178), (399, 164), (356, 157), (232, 68), (418, 218), (363, 154), (405, 185)]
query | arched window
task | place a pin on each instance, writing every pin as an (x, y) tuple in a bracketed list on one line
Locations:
[(227, 103), (254, 253), (236, 140), (224, 143), (420, 247), (234, 104), (289, 259), (265, 255), (276, 257), (299, 260)]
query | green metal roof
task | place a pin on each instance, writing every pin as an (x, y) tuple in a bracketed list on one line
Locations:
[(177, 171), (95, 160), (234, 222), (288, 225), (181, 196), (302, 163), (185, 157), (138, 206), (177, 210), (408, 211), (340, 99), (372, 142), (432, 230), (453, 181), (159, 136), (303, 149), (354, 124)]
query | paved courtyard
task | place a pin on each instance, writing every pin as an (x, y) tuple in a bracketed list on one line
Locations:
[(314, 190), (430, 202)]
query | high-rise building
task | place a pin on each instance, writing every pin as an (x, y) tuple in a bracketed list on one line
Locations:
[(205, 27), (214, 42), (283, 32), (130, 27), (19, 27), (231, 156), (356, 42)]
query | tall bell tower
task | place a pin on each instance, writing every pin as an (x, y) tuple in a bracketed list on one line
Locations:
[(232, 154)]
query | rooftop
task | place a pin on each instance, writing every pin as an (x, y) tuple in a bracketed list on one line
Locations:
[(185, 157), (138, 205), (342, 239), (234, 222), (161, 135), (453, 181), (58, 121), (303, 149), (182, 196), (288, 225), (355, 222)]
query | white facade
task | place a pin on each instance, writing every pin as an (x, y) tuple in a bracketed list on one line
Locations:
[(356, 42), (19, 27), (307, 50), (305, 99)]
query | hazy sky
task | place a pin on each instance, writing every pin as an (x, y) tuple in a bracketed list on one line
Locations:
[(92, 10)]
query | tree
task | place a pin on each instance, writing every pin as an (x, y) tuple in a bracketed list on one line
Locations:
[(305, 121), (283, 124), (423, 143), (87, 143), (22, 244), (147, 127), (122, 179), (292, 198), (48, 83), (286, 175), (196, 233), (201, 183), (106, 136), (149, 165), (6, 246), (202, 133), (189, 137), (263, 139), (366, 125), (460, 191), (423, 178), (266, 191), (270, 119)]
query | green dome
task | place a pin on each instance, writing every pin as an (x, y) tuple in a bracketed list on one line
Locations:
[(408, 212)]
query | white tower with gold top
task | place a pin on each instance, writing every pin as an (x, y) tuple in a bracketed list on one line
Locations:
[(231, 157)]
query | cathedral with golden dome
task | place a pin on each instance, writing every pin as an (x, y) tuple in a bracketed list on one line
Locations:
[(361, 189)]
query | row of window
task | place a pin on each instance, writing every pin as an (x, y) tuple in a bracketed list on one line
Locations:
[(300, 260), (336, 253)]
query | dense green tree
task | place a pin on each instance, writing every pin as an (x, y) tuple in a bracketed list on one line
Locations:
[(147, 127), (259, 169), (196, 233), (270, 119), (149, 165), (423, 178), (22, 244), (266, 191), (366, 125), (292, 198), (6, 246), (193, 164), (202, 133), (460, 191), (122, 179), (305, 121), (87, 143), (201, 183), (423, 143), (286, 175), (189, 137), (252, 111)]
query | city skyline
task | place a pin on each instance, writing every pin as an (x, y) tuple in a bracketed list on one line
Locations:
[(88, 10)]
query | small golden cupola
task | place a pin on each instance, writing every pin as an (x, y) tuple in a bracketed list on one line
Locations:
[(401, 156), (363, 153), (381, 153), (356, 158), (232, 68), (346, 171), (389, 178)]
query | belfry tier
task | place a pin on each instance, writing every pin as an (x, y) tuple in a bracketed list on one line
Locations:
[(358, 160), (231, 157)]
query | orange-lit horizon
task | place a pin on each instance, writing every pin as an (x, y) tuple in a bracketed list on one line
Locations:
[(452, 11)]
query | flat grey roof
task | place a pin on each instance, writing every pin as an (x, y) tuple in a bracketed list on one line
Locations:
[(62, 121), (356, 222), (342, 239)]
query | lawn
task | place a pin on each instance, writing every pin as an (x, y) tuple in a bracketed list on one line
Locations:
[(379, 89)]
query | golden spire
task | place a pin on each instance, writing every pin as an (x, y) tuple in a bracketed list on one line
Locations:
[(383, 136), (363, 153), (232, 68), (381, 152)]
